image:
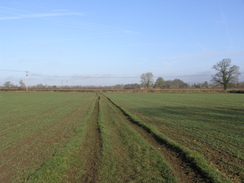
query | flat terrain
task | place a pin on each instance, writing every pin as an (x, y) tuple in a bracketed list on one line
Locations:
[(211, 124), (121, 137)]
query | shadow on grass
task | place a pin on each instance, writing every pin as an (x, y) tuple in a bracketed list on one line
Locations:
[(219, 116)]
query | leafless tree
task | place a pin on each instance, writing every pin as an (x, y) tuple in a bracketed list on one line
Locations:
[(147, 79), (226, 74), (8, 84), (22, 84)]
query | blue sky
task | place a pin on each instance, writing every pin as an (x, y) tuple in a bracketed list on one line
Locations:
[(61, 42)]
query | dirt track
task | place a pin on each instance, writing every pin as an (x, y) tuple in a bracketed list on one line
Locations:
[(92, 147)]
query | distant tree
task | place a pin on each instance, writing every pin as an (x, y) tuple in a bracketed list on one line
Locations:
[(53, 87), (39, 86), (227, 74), (22, 84), (8, 84), (176, 83), (205, 84), (147, 79), (132, 86), (167, 84), (200, 85), (159, 83), (196, 85), (118, 86), (241, 84)]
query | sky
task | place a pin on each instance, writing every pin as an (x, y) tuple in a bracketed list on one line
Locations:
[(109, 42)]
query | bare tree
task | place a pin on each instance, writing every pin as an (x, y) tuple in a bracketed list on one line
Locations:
[(22, 84), (226, 74), (205, 84), (8, 84), (147, 79), (132, 86)]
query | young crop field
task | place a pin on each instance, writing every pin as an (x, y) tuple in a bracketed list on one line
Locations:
[(212, 125), (121, 137)]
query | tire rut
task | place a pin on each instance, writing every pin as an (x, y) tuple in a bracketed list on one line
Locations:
[(91, 150), (182, 169), (92, 145)]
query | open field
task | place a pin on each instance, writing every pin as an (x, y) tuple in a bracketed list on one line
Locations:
[(210, 124), (121, 137)]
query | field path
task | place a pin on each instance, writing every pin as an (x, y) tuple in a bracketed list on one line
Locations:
[(92, 146), (91, 149), (127, 157), (182, 169)]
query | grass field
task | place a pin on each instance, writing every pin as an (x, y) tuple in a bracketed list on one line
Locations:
[(118, 137)]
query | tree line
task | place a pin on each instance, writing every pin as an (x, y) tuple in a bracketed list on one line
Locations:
[(147, 82), (226, 76)]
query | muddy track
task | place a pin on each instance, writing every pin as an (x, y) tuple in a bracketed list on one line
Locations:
[(182, 169), (91, 150)]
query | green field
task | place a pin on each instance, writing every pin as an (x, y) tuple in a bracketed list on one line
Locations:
[(121, 137)]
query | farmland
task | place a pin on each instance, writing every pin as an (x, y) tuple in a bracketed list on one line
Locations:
[(121, 137)]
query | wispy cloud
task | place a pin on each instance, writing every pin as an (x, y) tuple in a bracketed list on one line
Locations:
[(4, 9), (95, 28), (38, 15), (7, 13)]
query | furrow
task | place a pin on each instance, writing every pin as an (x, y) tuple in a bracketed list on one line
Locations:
[(93, 146)]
